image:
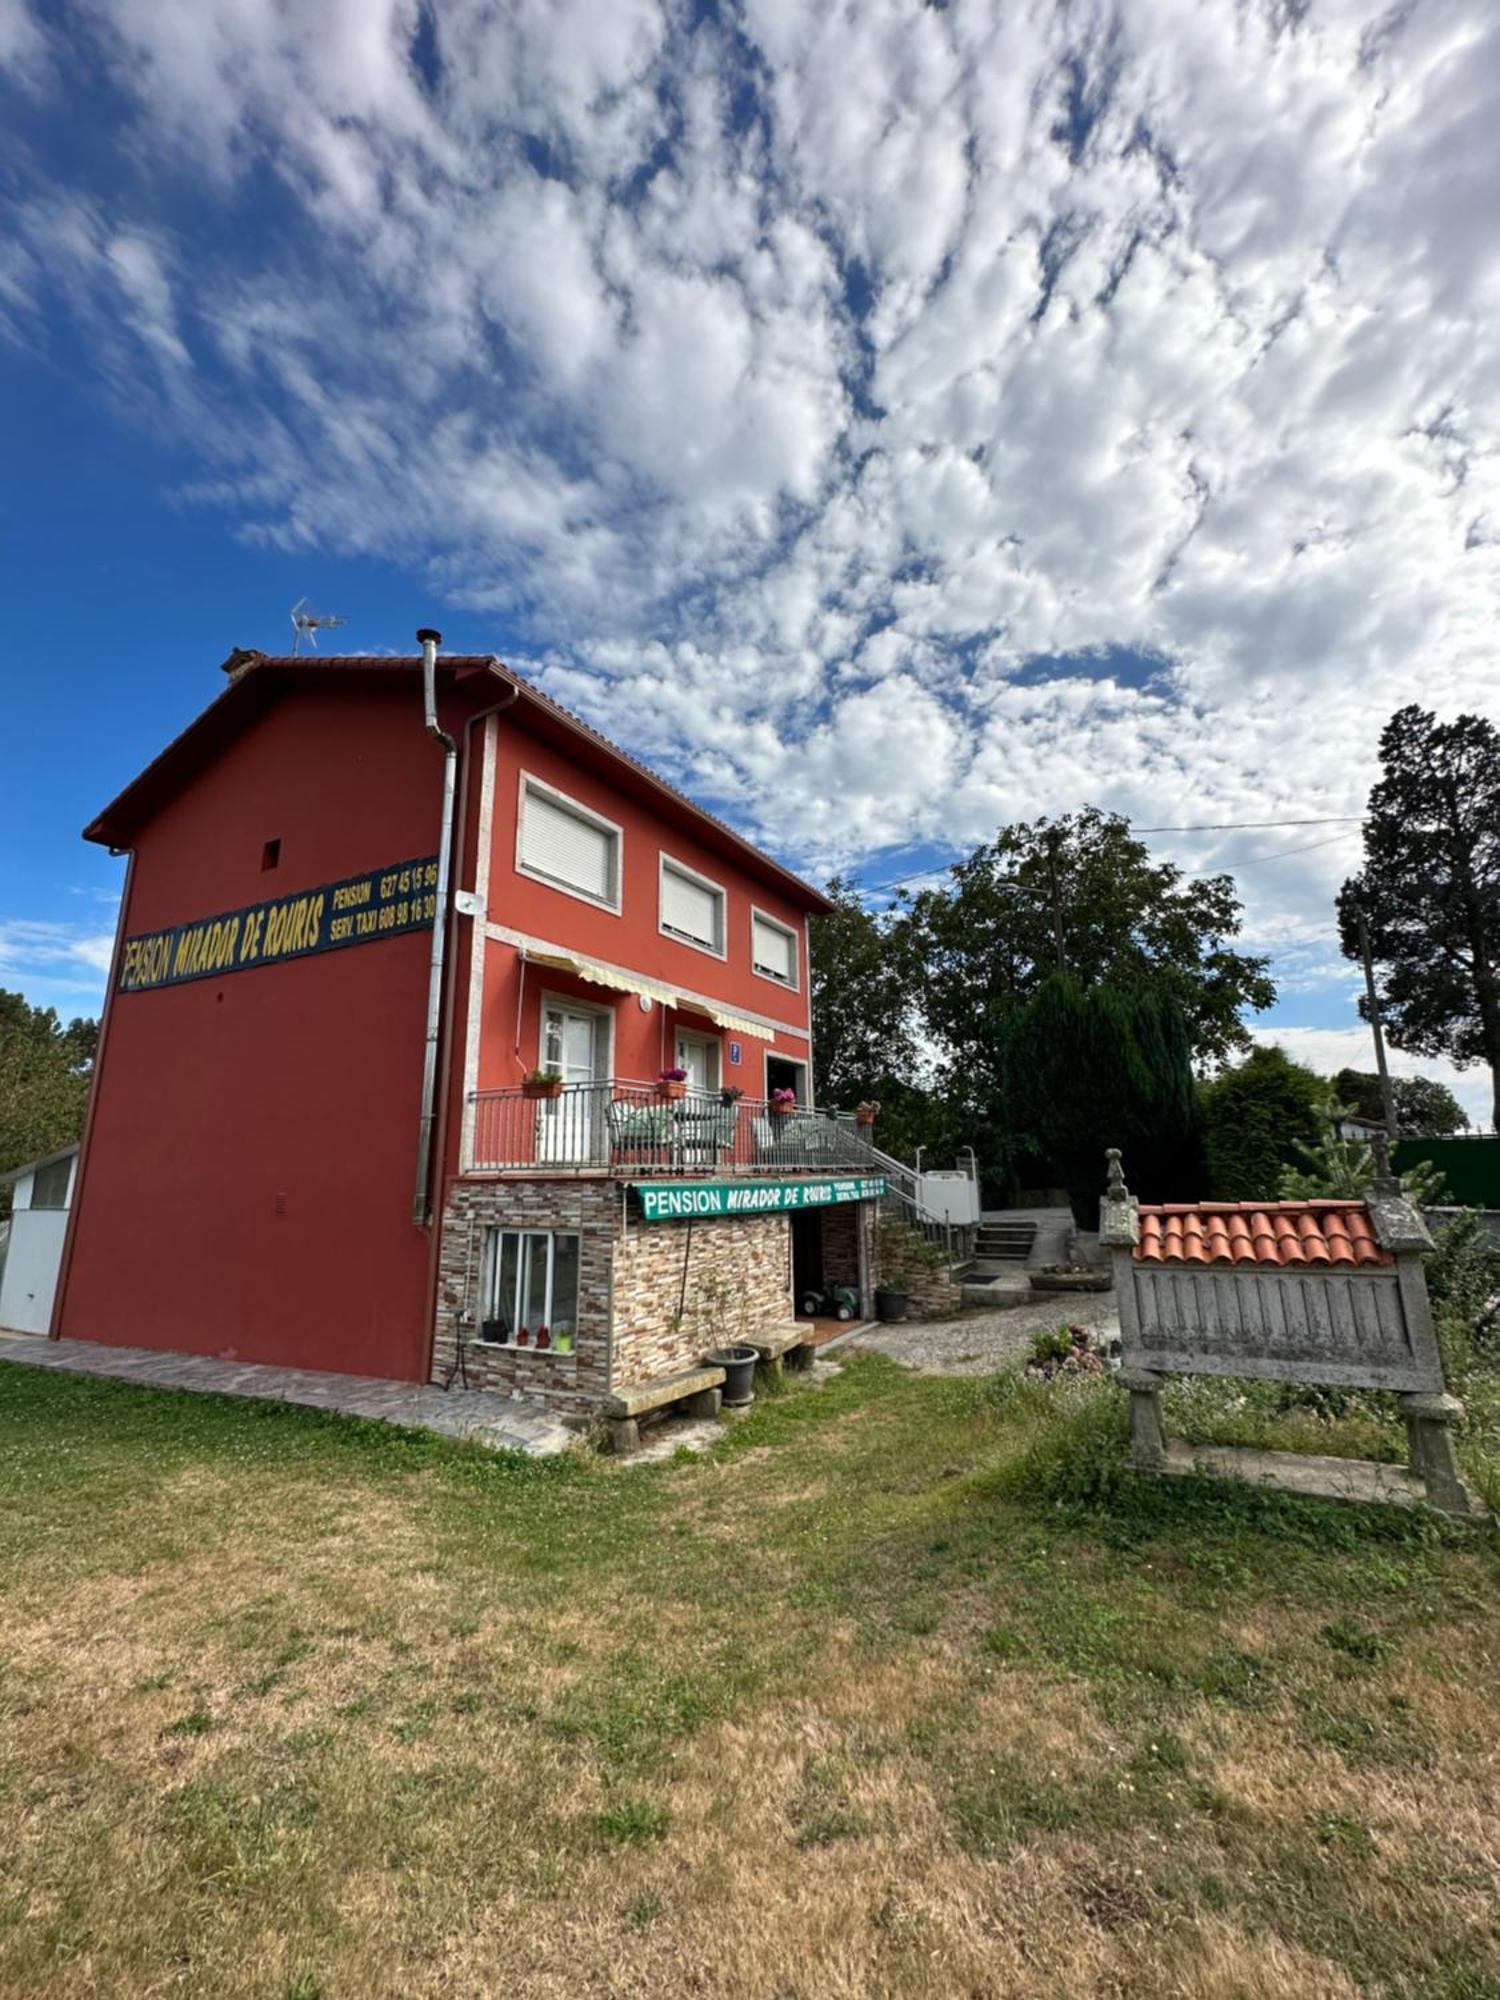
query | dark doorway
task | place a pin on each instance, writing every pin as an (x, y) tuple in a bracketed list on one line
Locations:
[(786, 1073), (807, 1257)]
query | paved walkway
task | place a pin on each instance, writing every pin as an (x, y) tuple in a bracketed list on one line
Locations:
[(478, 1415), (980, 1343)]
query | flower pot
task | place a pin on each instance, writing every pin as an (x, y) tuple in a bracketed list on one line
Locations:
[(542, 1089), (738, 1363), (672, 1090), (523, 1338), (543, 1337), (492, 1331), (864, 1117), (889, 1303), (562, 1343)]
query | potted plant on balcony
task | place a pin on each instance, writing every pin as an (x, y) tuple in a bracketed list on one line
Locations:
[(867, 1112), (730, 1094), (674, 1083), (543, 1337), (783, 1103), (542, 1083)]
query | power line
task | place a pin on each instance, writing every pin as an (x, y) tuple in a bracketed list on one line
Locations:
[(1222, 826), (1247, 825)]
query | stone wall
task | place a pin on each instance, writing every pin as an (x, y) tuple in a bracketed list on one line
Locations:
[(573, 1384), (662, 1326), (907, 1262), (841, 1244)]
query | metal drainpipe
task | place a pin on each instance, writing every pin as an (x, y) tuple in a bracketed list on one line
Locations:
[(429, 642)]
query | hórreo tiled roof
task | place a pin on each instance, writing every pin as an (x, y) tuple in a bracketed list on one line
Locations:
[(1297, 1233)]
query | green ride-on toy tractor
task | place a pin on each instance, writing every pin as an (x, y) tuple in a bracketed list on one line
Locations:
[(833, 1302)]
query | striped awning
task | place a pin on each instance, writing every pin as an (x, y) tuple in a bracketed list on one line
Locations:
[(732, 1024), (595, 974)]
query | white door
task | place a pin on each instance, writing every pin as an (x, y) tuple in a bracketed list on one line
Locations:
[(699, 1056), (573, 1042)]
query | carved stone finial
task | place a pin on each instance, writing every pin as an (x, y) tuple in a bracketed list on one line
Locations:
[(1386, 1180), (1118, 1227)]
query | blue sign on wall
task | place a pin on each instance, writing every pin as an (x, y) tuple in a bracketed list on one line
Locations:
[(735, 1052), (381, 904)]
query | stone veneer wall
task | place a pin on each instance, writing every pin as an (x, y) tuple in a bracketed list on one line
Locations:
[(749, 1254), (841, 1244), (574, 1384)]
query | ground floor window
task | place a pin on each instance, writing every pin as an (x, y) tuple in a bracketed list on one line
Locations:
[(530, 1289)]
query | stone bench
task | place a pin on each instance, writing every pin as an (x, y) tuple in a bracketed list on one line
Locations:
[(697, 1389), (786, 1346)]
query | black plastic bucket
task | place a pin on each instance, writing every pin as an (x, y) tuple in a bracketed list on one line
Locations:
[(738, 1364), (889, 1303)]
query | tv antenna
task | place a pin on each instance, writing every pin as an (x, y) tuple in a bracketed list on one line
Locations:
[(307, 624)]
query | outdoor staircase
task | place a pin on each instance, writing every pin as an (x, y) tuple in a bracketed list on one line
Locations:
[(1004, 1242)]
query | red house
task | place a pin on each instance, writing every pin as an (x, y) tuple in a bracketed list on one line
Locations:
[(407, 955)]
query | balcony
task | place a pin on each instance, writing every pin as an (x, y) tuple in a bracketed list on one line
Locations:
[(634, 1131)]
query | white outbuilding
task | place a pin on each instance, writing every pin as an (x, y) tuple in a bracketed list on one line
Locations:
[(31, 1242)]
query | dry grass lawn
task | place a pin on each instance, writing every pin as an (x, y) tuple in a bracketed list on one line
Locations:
[(854, 1706)]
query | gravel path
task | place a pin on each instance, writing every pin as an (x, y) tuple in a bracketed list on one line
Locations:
[(981, 1342)]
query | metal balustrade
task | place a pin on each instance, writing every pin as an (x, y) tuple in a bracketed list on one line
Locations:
[(634, 1129)]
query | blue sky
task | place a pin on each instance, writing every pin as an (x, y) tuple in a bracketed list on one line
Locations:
[(926, 416)]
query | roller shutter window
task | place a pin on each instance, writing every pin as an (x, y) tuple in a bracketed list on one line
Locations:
[(564, 844), (691, 909), (773, 951)]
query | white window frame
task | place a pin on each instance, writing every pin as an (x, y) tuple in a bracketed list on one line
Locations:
[(529, 782), (494, 1257), (793, 985), (549, 997), (681, 1035), (669, 861), (804, 1081)]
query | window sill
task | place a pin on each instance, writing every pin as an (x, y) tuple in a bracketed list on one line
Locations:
[(515, 1347)]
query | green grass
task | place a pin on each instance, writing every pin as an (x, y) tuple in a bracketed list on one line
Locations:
[(907, 1686)]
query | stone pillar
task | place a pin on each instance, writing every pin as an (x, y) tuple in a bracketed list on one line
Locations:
[(1148, 1438), (1429, 1439), (864, 1231)]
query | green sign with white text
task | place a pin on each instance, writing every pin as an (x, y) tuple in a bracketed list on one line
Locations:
[(679, 1201)]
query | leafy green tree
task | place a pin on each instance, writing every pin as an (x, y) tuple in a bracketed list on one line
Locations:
[(44, 1080), (1425, 1108), (1430, 888), (1255, 1116), (865, 1020), (1080, 895), (1089, 1067)]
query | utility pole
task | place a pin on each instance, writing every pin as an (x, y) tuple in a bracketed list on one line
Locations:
[(1057, 921), (1372, 999)]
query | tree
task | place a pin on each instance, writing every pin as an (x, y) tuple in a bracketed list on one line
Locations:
[(863, 1000), (1425, 1108), (1430, 888), (1093, 1066), (44, 1080), (1255, 1116), (1346, 1168), (1080, 895)]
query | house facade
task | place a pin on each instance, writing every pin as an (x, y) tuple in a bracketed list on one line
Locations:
[(389, 1085)]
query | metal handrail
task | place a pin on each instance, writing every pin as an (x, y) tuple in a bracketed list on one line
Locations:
[(622, 1127)]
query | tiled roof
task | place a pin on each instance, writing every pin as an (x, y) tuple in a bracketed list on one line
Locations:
[(246, 666), (1321, 1233)]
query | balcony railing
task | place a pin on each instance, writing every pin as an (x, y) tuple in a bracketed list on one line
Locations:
[(632, 1129)]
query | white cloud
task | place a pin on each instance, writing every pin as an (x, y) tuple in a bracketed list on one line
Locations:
[(56, 961), (802, 377)]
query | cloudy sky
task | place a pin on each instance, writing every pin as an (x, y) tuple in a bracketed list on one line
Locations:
[(891, 419)]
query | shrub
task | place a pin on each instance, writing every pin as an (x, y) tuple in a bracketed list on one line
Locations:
[(1076, 1433)]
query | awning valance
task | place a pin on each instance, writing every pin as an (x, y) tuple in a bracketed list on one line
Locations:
[(732, 1024), (595, 974)]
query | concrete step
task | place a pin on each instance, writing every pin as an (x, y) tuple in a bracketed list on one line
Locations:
[(995, 1292), (995, 1267)]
